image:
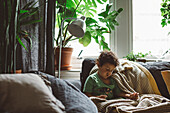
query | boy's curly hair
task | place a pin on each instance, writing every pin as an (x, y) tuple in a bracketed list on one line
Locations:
[(108, 57)]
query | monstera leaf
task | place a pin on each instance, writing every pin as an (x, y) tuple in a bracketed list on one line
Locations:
[(98, 31)]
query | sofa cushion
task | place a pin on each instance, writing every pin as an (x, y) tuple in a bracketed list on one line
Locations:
[(71, 97), (27, 93), (155, 69)]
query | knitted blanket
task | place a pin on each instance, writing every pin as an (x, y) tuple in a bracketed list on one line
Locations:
[(148, 103), (133, 77)]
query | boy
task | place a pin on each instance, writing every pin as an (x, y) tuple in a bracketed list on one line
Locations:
[(101, 84)]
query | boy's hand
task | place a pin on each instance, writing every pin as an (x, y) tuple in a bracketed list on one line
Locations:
[(102, 96), (134, 96)]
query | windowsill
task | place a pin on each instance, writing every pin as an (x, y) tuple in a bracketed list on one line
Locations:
[(69, 74), (72, 70)]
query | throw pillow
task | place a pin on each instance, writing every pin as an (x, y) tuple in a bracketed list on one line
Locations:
[(71, 97), (166, 77), (27, 93)]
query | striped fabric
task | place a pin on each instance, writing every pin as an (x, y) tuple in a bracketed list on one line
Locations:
[(155, 68)]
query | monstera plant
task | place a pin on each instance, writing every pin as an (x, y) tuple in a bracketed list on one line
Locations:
[(94, 29)]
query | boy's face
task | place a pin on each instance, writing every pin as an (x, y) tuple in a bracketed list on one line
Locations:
[(105, 71)]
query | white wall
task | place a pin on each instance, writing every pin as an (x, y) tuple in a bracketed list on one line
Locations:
[(121, 39)]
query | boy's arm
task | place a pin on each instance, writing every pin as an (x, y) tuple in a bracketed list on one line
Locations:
[(88, 88), (100, 96)]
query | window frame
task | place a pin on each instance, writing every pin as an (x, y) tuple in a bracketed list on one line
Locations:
[(121, 41)]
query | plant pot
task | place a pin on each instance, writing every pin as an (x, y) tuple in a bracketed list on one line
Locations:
[(17, 71), (66, 54)]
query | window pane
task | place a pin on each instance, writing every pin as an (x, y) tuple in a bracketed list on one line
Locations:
[(148, 34)]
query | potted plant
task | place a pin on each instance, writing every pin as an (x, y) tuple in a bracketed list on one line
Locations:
[(27, 15), (94, 29)]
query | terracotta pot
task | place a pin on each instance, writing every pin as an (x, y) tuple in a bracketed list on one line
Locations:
[(18, 71), (66, 54)]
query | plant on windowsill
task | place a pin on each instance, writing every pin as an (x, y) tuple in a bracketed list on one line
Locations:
[(94, 29), (134, 57)]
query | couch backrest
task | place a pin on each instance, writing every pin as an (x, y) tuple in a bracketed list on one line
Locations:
[(87, 65)]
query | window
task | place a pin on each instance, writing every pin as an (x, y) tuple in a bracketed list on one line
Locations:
[(140, 28), (148, 34)]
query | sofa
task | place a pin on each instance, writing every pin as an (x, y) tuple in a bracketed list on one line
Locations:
[(154, 75), (38, 92), (155, 68)]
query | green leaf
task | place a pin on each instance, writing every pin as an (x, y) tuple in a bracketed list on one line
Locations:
[(94, 3), (115, 23), (28, 14), (90, 21), (94, 10), (100, 2), (23, 11), (112, 26), (88, 1), (168, 21), (102, 20), (120, 10), (76, 1), (103, 14), (104, 0), (31, 22), (69, 13), (96, 39), (86, 39), (70, 4), (108, 6), (20, 42), (104, 45), (162, 10)]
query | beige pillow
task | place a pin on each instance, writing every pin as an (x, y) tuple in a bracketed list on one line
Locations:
[(166, 77), (27, 93)]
